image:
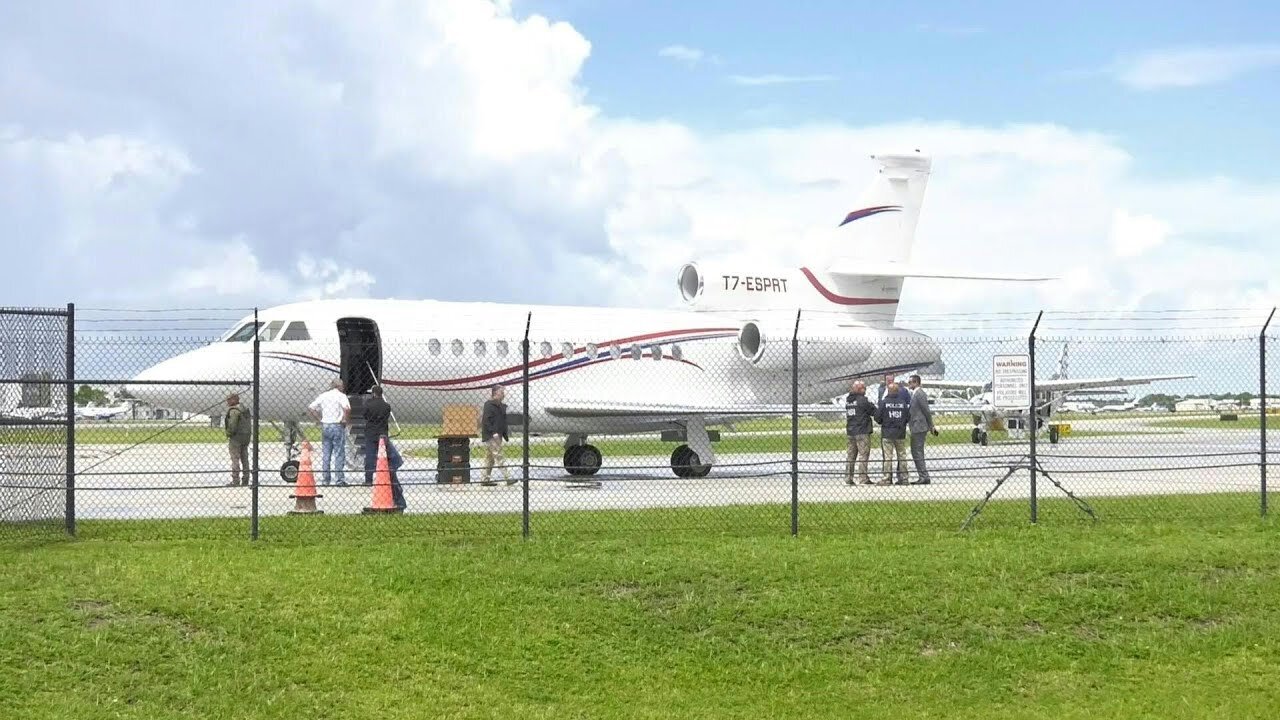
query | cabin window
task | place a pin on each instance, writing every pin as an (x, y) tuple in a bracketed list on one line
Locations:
[(433, 347), (592, 351), (501, 348), (270, 332), (296, 331), (656, 352), (245, 333), (479, 345), (616, 352), (676, 353), (567, 350), (457, 347), (546, 349), (636, 351)]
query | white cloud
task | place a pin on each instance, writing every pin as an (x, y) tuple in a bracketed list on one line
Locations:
[(230, 270), (1133, 235), (778, 79), (1190, 67), (324, 278), (690, 56), (449, 150)]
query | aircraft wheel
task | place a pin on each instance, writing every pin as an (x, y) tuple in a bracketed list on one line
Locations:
[(589, 460), (1053, 434), (983, 439), (680, 461), (289, 471), (696, 469), (572, 460), (975, 437), (686, 463)]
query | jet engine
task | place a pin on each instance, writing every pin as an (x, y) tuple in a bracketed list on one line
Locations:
[(768, 345), (761, 288)]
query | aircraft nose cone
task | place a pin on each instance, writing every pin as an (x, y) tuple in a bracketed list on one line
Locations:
[(188, 382), (141, 387)]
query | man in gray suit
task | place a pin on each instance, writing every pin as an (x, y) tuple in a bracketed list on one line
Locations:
[(919, 422)]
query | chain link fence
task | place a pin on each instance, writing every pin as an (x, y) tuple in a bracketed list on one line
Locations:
[(36, 462), (626, 424)]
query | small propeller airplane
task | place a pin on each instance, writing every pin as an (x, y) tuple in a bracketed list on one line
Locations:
[(1052, 396)]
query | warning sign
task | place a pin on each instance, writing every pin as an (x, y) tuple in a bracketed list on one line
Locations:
[(1011, 381)]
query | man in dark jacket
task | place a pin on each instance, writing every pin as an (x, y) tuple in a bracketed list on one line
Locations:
[(239, 428), (892, 416), (859, 412), (902, 390), (377, 415), (493, 430)]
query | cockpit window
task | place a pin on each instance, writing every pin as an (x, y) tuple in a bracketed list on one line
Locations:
[(245, 333), (271, 331), (296, 331)]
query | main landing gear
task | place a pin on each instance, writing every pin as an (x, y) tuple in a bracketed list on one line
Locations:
[(694, 459), (685, 463), (581, 459)]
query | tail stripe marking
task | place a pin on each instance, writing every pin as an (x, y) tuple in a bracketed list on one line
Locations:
[(868, 212), (842, 299)]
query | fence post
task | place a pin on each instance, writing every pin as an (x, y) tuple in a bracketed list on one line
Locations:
[(795, 427), (257, 394), (1032, 416), (1262, 393), (524, 384), (70, 512)]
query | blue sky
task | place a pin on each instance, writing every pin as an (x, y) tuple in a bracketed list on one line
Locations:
[(994, 62), (580, 151)]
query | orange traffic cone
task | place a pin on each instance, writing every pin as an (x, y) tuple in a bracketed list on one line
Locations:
[(382, 500), (305, 496)]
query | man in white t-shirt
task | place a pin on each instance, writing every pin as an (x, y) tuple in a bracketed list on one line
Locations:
[(333, 411)]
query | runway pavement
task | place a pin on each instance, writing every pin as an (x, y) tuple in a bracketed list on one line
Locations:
[(184, 481)]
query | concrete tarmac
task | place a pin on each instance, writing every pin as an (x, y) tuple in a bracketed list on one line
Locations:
[(189, 480)]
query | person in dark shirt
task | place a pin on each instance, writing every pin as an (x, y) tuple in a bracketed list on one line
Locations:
[(902, 391), (859, 412), (493, 431), (892, 416), (377, 415)]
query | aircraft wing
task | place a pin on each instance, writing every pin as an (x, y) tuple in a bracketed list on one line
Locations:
[(1060, 385), (954, 384), (1086, 383), (892, 269), (674, 411)]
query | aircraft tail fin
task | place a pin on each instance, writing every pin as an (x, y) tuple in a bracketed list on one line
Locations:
[(883, 224)]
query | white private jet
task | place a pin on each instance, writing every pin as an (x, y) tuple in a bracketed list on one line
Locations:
[(599, 370), (1078, 406), (1118, 407), (93, 412)]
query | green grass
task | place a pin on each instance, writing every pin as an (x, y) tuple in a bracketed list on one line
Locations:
[(1059, 621), (1245, 422), (812, 423), (731, 444)]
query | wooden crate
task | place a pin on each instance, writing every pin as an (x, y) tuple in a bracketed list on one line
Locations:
[(461, 421)]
